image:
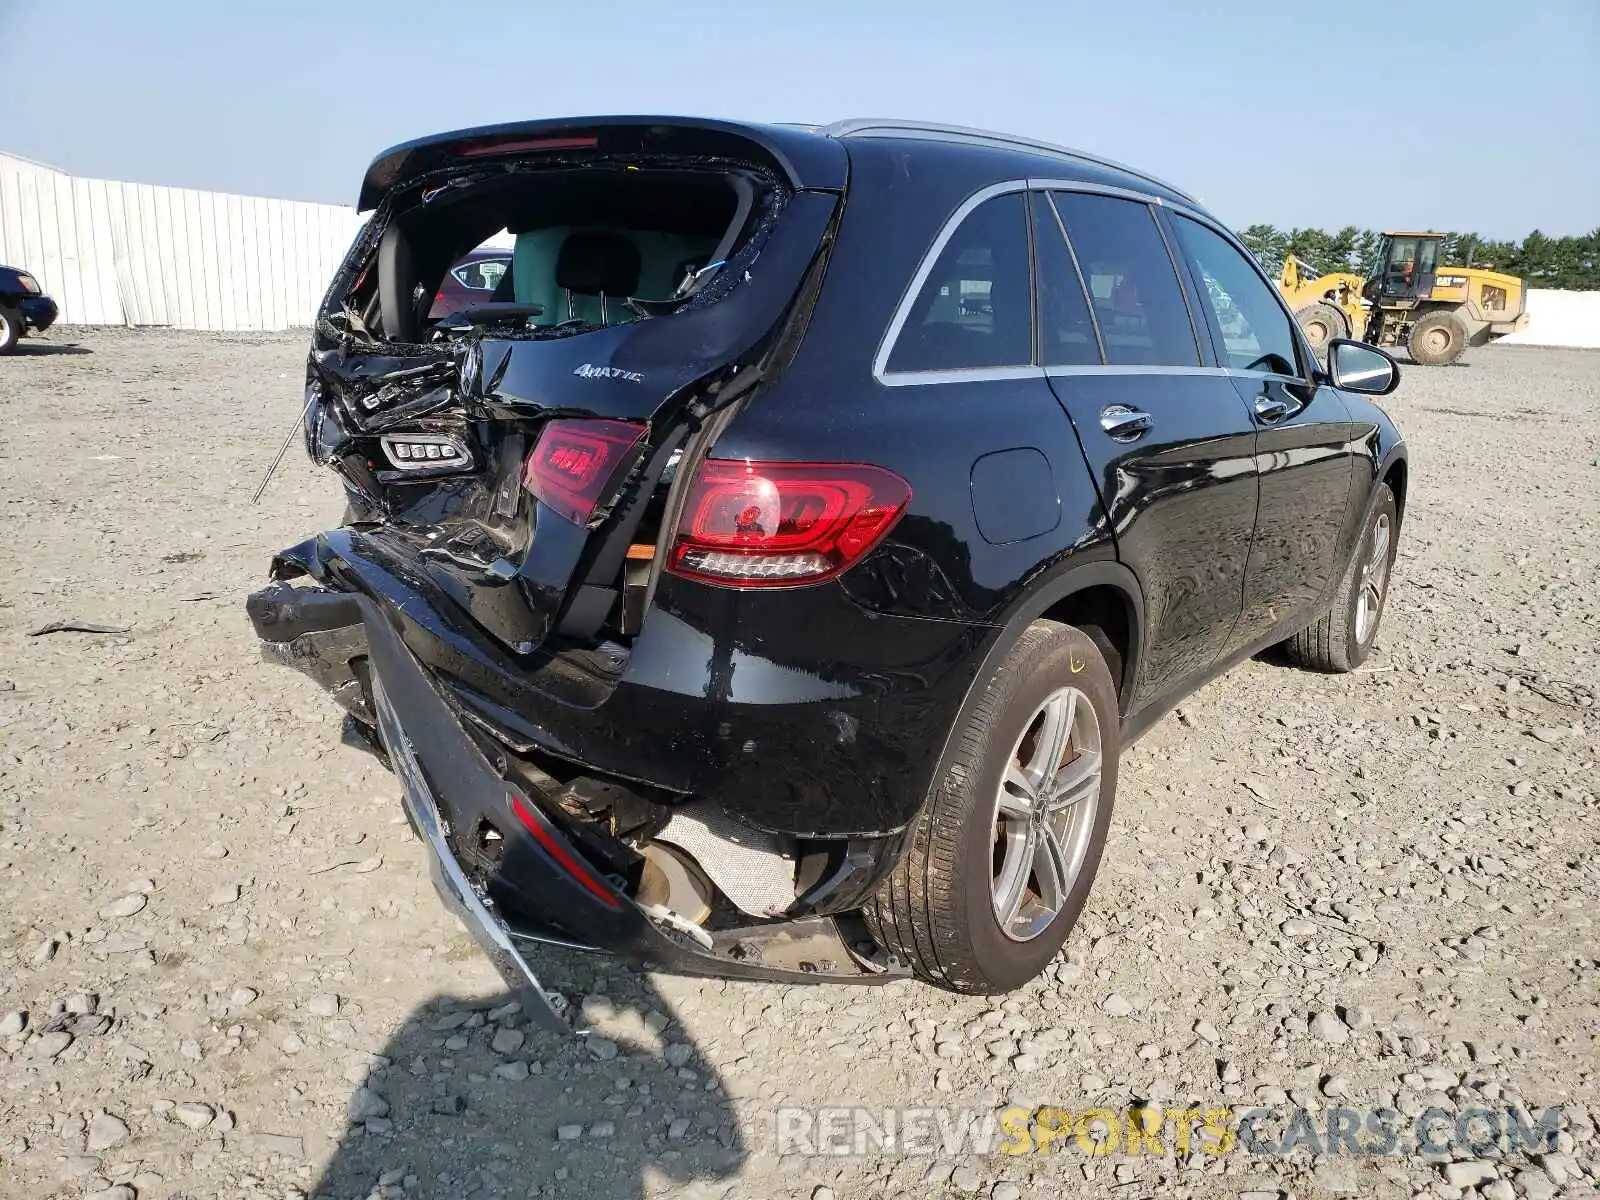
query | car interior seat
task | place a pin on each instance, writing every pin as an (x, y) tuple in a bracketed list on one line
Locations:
[(600, 265), (658, 261)]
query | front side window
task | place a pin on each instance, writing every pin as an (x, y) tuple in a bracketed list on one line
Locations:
[(974, 308), (1138, 302), (1255, 330)]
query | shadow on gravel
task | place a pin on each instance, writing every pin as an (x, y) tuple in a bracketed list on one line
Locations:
[(25, 348), (467, 1108)]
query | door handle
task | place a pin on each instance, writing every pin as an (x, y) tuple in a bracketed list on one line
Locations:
[(1270, 409), (1124, 424)]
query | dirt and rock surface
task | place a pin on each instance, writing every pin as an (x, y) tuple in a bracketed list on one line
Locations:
[(223, 972)]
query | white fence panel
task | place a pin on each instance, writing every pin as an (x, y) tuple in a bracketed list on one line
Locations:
[(135, 254)]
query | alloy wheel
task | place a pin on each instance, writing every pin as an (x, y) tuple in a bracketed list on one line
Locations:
[(1374, 580), (1044, 814)]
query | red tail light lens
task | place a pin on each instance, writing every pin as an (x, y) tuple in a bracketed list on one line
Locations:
[(564, 857), (767, 524), (575, 464)]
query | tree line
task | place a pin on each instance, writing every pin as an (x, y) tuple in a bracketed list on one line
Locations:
[(1571, 263)]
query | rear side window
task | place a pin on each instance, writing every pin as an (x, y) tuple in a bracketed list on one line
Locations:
[(1253, 326), (1132, 283), (481, 275), (1066, 330), (974, 308)]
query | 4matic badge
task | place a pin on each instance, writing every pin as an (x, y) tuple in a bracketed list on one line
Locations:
[(592, 372)]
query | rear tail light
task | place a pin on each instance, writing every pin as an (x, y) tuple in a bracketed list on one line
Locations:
[(568, 861), (576, 464), (767, 524)]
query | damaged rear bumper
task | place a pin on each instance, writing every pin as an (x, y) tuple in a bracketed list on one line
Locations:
[(801, 712), (454, 888), (540, 888)]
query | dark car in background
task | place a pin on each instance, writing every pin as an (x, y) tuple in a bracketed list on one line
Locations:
[(24, 307), (768, 586), (471, 281)]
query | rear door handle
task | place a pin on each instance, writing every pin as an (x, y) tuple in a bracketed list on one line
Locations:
[(1270, 409), (1124, 424)]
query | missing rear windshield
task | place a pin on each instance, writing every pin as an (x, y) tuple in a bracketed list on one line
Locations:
[(522, 252)]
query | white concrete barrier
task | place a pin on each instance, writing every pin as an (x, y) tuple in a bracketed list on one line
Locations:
[(132, 254), (1559, 319)]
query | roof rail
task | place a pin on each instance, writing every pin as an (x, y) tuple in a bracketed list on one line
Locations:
[(883, 127)]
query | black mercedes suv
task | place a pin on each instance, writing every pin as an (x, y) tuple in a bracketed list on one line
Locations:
[(765, 580)]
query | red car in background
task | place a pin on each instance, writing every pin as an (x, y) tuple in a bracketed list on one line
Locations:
[(471, 281)]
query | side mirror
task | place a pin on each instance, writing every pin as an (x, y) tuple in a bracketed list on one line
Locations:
[(1358, 367)]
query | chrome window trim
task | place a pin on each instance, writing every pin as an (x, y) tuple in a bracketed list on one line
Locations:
[(930, 259), (887, 378), (1100, 189), (1242, 373), (1135, 369), (961, 375)]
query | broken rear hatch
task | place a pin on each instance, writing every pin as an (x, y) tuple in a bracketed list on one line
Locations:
[(516, 458)]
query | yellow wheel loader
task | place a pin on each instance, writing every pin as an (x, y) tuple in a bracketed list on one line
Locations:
[(1434, 312)]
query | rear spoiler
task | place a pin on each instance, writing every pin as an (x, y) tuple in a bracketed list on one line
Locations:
[(807, 159)]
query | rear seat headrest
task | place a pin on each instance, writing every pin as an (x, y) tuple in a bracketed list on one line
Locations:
[(596, 262)]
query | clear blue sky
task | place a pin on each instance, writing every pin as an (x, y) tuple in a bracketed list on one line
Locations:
[(1472, 115)]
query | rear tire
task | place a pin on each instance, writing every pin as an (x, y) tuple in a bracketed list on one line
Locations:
[(1437, 339), (10, 329), (1321, 323), (1341, 638), (1001, 860)]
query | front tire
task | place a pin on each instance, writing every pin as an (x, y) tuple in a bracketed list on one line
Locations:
[(1341, 638), (10, 329), (1003, 855)]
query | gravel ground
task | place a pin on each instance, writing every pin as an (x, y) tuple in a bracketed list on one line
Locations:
[(223, 972)]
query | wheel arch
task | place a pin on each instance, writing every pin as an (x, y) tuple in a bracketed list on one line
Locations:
[(1102, 597), (1067, 591), (1103, 593), (1396, 472)]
